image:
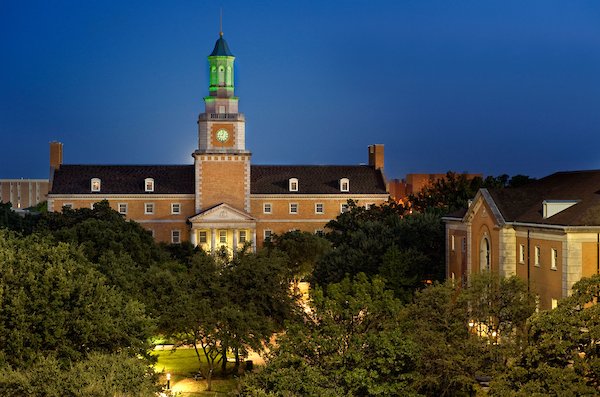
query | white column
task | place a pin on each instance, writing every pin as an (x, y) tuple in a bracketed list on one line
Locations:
[(194, 237), (213, 239), (254, 240), (235, 240)]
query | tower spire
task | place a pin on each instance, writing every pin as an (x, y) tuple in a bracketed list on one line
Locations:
[(221, 22)]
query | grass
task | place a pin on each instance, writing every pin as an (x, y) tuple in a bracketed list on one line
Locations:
[(182, 364)]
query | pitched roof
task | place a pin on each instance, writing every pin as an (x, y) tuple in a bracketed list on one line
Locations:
[(316, 179), (124, 179), (524, 204), (221, 49)]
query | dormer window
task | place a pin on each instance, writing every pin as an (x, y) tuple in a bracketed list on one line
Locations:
[(344, 185), (293, 184), (95, 185), (149, 184)]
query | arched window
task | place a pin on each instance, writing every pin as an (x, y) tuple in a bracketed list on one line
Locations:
[(293, 184), (95, 184), (213, 75), (149, 184), (485, 255), (344, 185), (221, 75)]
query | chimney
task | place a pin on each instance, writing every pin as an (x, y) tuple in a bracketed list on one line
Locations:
[(56, 158), (376, 156)]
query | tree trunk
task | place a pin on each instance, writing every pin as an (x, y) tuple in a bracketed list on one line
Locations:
[(236, 368), (224, 360)]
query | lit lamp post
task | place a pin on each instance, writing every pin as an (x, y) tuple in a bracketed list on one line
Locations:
[(168, 381)]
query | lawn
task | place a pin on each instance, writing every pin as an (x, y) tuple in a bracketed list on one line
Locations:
[(182, 364)]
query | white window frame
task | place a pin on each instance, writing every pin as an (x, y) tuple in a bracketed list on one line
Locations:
[(95, 184), (317, 211), (292, 206), (344, 208), (521, 253), (537, 256), (267, 234), (293, 184), (243, 236), (200, 234), (176, 236), (68, 206), (175, 206), (344, 185), (267, 208), (119, 208), (553, 259), (149, 184), (221, 234), (151, 212)]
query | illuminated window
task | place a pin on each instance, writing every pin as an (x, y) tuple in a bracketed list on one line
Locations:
[(344, 185), (149, 184), (554, 259), (149, 208), (554, 303), (95, 184), (293, 184), (123, 208), (202, 237), (452, 242), (293, 208), (521, 253), (319, 208), (223, 236), (175, 236), (537, 256), (243, 236), (175, 208), (267, 208)]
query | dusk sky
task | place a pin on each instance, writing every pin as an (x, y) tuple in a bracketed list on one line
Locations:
[(480, 86)]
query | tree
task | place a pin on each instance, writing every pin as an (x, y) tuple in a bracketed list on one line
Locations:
[(303, 251), (52, 301), (349, 344), (448, 194), (562, 355), (407, 249)]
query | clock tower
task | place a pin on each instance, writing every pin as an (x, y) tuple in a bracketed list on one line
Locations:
[(222, 163)]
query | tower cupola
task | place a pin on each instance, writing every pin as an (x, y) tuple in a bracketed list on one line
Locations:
[(220, 63)]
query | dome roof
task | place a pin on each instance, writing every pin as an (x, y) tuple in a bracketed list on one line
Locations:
[(221, 48)]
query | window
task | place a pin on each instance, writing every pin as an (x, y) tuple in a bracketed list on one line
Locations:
[(175, 208), (202, 237), (243, 236), (222, 236), (452, 242), (319, 208), (149, 208), (123, 208), (267, 208), (521, 253), (68, 206), (554, 303), (344, 208), (267, 234), (293, 184), (554, 259), (293, 208), (485, 255), (537, 256), (95, 185), (149, 184), (175, 236), (320, 232), (344, 185), (151, 232)]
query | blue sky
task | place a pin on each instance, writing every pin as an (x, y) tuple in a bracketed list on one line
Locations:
[(480, 86)]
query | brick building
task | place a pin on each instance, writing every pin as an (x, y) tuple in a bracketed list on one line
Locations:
[(546, 232), (222, 199)]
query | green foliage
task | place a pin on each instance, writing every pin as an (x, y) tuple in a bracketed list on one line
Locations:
[(97, 375), (349, 344), (406, 249), (562, 355), (53, 302)]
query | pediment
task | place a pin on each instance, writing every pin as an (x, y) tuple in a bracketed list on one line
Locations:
[(482, 198), (222, 213)]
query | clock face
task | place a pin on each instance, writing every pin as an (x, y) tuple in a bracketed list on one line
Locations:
[(222, 135)]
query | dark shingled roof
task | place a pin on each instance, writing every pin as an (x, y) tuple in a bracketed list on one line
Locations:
[(221, 49), (316, 179), (524, 204), (124, 179)]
